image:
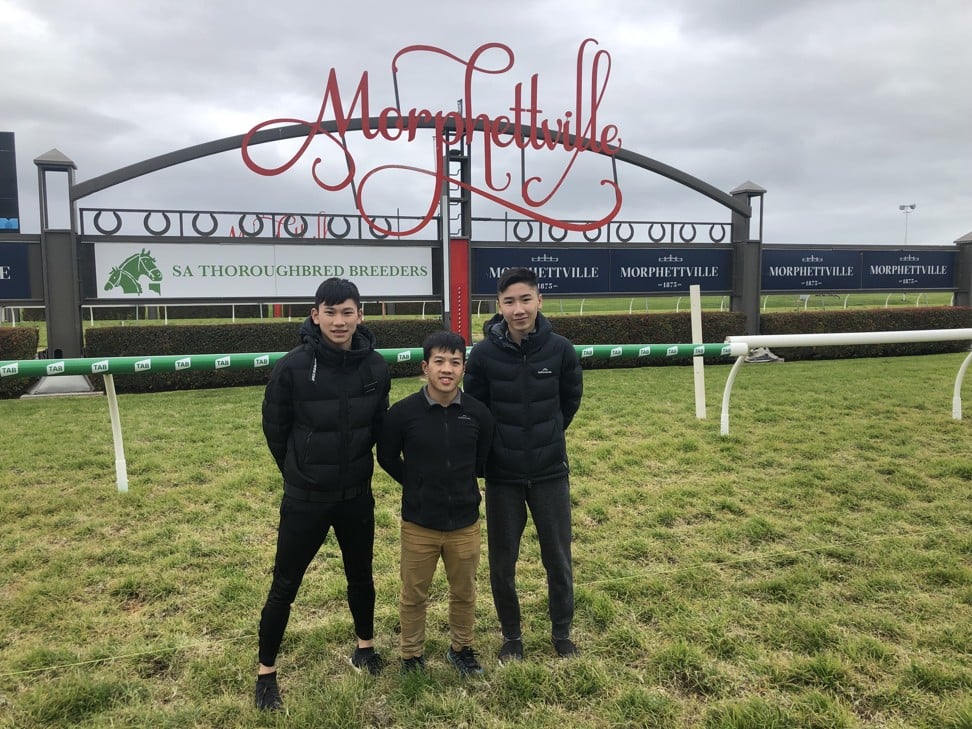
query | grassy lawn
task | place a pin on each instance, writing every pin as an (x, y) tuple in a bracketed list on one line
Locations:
[(812, 569)]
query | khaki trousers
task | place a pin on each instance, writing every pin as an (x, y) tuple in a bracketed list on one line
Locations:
[(421, 549)]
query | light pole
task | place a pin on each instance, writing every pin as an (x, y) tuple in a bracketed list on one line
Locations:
[(906, 209)]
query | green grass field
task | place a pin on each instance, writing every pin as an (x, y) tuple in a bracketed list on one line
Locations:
[(812, 569)]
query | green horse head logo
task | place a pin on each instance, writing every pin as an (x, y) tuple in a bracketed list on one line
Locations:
[(129, 274)]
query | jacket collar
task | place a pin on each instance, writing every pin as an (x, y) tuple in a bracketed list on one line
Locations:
[(362, 343), (457, 400), (497, 331)]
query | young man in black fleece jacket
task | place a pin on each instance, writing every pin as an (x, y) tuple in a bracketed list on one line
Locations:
[(531, 380), (434, 443), (322, 411)]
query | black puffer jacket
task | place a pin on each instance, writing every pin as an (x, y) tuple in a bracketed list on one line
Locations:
[(533, 390), (322, 413)]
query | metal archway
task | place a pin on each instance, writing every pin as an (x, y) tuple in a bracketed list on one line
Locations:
[(737, 204)]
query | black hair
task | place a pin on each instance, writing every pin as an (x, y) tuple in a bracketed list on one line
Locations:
[(445, 340), (514, 276), (334, 291)]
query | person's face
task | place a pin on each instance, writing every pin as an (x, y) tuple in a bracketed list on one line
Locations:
[(337, 322), (444, 371), (519, 305)]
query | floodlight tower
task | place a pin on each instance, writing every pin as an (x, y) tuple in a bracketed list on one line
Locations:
[(906, 209)]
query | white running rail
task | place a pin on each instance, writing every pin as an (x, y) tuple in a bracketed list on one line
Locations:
[(846, 338)]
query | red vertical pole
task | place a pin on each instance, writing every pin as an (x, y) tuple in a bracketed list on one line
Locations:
[(459, 297)]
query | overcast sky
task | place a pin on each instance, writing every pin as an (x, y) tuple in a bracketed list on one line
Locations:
[(842, 110)]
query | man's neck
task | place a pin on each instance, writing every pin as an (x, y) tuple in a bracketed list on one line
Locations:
[(443, 399)]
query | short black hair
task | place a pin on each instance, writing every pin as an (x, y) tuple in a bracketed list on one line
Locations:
[(514, 276), (334, 291), (445, 340)]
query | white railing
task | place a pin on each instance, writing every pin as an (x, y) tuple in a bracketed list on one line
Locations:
[(141, 310), (778, 341)]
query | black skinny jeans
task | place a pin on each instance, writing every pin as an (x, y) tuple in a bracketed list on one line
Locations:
[(506, 515), (303, 529)]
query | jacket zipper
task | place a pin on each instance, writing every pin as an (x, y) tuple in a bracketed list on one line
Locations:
[(344, 415), (448, 464)]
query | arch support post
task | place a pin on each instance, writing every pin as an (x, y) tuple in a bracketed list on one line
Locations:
[(59, 259), (963, 271), (747, 256)]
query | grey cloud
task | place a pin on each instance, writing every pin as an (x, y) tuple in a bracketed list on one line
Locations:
[(842, 110)]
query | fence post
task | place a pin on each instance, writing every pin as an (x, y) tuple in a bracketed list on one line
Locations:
[(59, 263), (746, 257), (963, 271), (695, 296)]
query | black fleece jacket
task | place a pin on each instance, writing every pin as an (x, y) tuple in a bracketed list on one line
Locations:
[(322, 411), (534, 390), (435, 453)]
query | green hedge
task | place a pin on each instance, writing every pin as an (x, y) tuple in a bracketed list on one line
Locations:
[(19, 343), (868, 320), (672, 328), (662, 328), (132, 341)]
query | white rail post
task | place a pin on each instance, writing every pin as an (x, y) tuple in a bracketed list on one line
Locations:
[(957, 392), (724, 420), (695, 300), (121, 466)]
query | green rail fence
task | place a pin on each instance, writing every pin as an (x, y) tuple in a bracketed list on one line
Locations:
[(110, 366), (247, 361)]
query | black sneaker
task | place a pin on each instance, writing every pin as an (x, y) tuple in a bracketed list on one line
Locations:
[(565, 647), (512, 650), (267, 693), (415, 664), (367, 659), (464, 661)]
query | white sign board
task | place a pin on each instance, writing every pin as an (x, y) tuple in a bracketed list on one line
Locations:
[(146, 271)]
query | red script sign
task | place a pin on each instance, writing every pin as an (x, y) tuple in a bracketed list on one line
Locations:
[(575, 132)]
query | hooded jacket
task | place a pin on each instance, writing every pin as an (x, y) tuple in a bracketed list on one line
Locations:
[(322, 412), (534, 390)]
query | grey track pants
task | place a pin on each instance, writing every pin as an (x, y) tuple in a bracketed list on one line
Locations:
[(506, 515)]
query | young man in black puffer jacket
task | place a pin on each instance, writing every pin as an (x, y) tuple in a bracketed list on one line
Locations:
[(532, 382), (322, 412)]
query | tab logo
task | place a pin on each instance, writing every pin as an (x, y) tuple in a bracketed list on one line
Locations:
[(262, 361), (726, 350), (222, 362), (183, 364), (616, 352), (587, 352), (405, 356), (699, 350), (9, 370), (143, 365), (644, 351), (101, 366), (56, 368), (672, 351)]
